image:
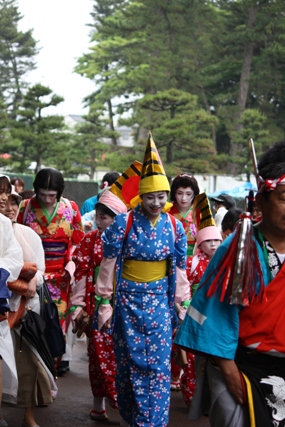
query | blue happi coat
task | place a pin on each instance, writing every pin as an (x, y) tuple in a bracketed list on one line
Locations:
[(211, 326)]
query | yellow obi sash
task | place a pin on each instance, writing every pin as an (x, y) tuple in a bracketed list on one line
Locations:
[(144, 271)]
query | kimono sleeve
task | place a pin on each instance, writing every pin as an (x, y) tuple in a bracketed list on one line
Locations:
[(11, 258), (180, 246), (78, 231), (20, 217), (114, 236), (82, 255), (182, 293)]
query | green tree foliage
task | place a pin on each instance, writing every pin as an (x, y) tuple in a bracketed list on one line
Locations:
[(229, 54), (38, 137), (89, 146), (142, 49), (182, 130), (252, 126), (17, 56), (248, 71), (203, 75)]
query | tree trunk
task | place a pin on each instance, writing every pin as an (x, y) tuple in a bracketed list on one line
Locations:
[(112, 126), (243, 89), (206, 104), (92, 164)]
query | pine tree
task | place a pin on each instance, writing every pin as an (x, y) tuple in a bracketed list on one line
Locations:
[(17, 56), (37, 137)]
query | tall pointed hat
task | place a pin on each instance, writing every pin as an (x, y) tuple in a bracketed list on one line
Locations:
[(153, 177), (203, 219), (201, 212)]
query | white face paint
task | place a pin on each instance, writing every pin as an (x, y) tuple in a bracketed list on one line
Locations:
[(153, 203), (184, 198), (48, 197)]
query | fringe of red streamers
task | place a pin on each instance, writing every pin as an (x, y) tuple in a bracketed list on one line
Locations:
[(237, 276)]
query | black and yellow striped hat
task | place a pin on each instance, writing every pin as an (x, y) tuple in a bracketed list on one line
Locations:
[(201, 212), (126, 187), (153, 177)]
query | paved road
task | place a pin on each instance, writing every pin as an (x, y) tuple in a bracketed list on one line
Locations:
[(74, 400)]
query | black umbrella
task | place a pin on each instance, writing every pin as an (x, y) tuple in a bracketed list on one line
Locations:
[(33, 328)]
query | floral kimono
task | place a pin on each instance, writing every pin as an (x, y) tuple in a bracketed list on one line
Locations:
[(188, 225), (59, 233), (87, 257)]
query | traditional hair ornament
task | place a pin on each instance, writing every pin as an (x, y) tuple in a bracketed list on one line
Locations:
[(186, 175), (270, 184)]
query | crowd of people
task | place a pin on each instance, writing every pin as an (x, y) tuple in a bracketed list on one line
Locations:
[(169, 296)]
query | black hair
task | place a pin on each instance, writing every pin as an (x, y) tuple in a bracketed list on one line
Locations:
[(104, 210), (272, 163), (49, 179), (5, 184), (110, 177), (183, 181), (230, 219)]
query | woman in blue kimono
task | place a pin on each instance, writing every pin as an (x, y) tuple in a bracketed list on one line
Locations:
[(146, 252)]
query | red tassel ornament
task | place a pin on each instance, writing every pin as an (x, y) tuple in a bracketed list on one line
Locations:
[(238, 275)]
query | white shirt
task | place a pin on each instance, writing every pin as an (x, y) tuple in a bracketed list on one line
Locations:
[(221, 212)]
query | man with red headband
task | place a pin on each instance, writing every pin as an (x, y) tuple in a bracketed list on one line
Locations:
[(237, 315)]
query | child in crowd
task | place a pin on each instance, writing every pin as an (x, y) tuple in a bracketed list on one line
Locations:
[(229, 221), (208, 240), (87, 258)]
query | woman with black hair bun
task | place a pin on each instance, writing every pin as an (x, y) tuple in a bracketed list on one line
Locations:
[(58, 223), (184, 188)]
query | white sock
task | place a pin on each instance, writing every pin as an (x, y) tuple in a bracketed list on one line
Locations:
[(99, 404)]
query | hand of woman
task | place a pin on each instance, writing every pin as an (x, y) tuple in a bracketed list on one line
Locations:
[(32, 288), (65, 279), (233, 378)]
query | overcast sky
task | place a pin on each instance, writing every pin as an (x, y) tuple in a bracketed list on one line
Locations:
[(60, 29)]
